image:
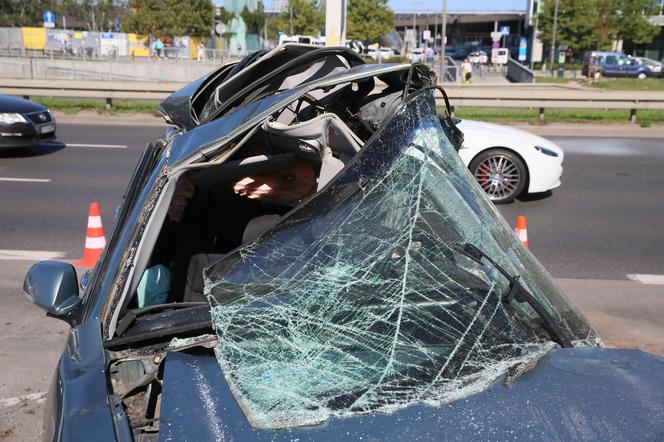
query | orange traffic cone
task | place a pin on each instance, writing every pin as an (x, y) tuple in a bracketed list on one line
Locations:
[(94, 238), (521, 230)]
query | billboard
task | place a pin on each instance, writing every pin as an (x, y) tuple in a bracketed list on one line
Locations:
[(34, 38)]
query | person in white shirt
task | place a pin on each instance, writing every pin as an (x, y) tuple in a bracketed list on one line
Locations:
[(466, 71)]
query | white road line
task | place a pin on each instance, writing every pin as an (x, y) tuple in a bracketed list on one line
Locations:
[(647, 279), (26, 180), (104, 146), (11, 401), (29, 255)]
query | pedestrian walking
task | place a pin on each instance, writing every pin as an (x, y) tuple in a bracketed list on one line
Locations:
[(201, 51), (466, 71), (159, 47)]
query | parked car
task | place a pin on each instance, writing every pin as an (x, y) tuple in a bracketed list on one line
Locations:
[(24, 123), (654, 65), (615, 64), (417, 55), (478, 57), (344, 278), (509, 162), (385, 53)]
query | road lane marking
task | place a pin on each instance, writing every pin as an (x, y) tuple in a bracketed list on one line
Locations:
[(103, 146), (26, 180), (11, 401), (29, 255), (647, 279)]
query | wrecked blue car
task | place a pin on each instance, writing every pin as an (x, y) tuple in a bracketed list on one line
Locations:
[(303, 256)]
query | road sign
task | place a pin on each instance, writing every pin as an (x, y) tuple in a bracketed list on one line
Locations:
[(505, 30), (496, 36), (523, 47), (49, 19)]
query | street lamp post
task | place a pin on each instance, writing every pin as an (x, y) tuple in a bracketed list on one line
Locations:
[(553, 37), (443, 60)]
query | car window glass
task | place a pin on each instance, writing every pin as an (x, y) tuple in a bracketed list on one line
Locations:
[(611, 59), (358, 300)]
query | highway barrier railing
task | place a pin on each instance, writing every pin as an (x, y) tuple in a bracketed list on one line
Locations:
[(531, 96), (518, 73)]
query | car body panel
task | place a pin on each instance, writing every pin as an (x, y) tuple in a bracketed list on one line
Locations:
[(544, 171), (38, 127), (210, 137), (571, 394), (78, 401), (197, 404)]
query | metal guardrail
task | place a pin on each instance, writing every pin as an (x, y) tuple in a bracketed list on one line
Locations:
[(534, 96), (518, 73)]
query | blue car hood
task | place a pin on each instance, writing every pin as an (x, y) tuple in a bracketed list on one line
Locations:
[(572, 394)]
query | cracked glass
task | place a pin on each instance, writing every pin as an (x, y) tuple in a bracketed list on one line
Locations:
[(359, 301)]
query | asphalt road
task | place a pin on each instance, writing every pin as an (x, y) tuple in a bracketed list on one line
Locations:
[(606, 221), (603, 223), (91, 163)]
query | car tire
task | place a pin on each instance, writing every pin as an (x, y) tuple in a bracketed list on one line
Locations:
[(500, 173), (642, 76)]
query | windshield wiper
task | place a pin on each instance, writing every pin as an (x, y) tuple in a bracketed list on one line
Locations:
[(518, 293)]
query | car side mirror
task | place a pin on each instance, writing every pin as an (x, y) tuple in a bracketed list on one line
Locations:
[(53, 286)]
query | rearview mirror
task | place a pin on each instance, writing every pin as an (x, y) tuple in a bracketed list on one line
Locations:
[(53, 286)]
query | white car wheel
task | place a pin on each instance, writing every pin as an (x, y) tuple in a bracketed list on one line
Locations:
[(642, 76), (500, 173)]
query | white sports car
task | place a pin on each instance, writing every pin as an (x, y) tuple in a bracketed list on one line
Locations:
[(508, 162)]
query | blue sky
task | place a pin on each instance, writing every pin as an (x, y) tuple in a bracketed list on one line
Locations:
[(452, 5)]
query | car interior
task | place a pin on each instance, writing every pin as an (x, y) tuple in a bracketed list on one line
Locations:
[(321, 131)]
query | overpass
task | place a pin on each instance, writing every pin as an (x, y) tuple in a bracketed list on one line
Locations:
[(462, 26)]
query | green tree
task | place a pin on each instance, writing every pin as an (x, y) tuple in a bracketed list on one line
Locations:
[(595, 24), (96, 15), (369, 20), (254, 20), (24, 13), (575, 23), (226, 17), (170, 17), (631, 22), (307, 19)]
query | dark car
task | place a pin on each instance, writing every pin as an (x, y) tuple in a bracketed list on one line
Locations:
[(304, 256), (24, 123)]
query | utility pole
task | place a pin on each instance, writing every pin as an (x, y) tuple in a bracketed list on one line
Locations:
[(553, 38), (443, 60), (290, 10)]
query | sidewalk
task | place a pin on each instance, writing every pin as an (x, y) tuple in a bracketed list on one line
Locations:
[(626, 314)]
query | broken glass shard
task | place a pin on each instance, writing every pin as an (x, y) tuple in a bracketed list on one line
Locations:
[(358, 301)]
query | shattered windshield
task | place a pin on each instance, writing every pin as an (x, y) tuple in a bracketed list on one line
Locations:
[(360, 301)]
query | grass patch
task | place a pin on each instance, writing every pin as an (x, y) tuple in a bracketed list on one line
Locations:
[(556, 80), (74, 106), (597, 116), (629, 84), (610, 84)]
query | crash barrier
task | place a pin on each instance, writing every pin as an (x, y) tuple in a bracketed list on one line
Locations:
[(107, 90), (551, 96), (534, 96), (518, 73)]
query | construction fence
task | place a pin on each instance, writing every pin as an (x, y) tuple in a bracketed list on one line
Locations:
[(35, 42)]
